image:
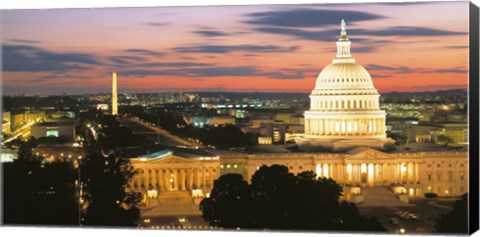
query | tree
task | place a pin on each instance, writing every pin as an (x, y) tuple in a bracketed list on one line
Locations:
[(106, 201), (227, 208), (443, 140), (278, 199), (455, 221), (39, 194)]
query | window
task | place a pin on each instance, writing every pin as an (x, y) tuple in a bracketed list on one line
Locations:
[(429, 165), (429, 177), (221, 166), (235, 166), (461, 176), (462, 190), (439, 177), (438, 165), (450, 176)]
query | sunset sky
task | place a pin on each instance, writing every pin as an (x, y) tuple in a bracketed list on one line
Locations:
[(271, 48)]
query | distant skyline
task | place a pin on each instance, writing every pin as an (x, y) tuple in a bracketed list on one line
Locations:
[(406, 47)]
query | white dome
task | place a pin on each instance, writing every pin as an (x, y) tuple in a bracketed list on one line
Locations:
[(348, 78), (344, 103)]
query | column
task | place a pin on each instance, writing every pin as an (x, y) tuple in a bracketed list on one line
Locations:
[(197, 178), (321, 126), (204, 178), (354, 173), (211, 176), (417, 172), (190, 179), (175, 179), (161, 179), (183, 179)]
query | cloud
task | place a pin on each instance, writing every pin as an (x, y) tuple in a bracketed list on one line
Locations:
[(457, 47), (308, 17), (405, 31), (440, 87), (233, 48), (53, 77), (406, 70), (332, 35), (173, 64), (210, 33), (23, 41), (207, 72), (157, 23), (126, 59), (34, 59), (144, 52)]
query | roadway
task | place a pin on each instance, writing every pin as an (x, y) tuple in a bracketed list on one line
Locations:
[(153, 133), (427, 211)]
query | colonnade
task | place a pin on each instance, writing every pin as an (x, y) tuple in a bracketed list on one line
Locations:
[(343, 104), (176, 178), (370, 173), (368, 126)]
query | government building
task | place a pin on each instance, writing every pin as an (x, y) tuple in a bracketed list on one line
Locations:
[(345, 139)]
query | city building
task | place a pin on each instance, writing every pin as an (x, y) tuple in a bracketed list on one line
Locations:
[(344, 105), (346, 122), (55, 128)]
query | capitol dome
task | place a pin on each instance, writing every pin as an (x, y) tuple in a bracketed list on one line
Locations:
[(344, 76), (344, 105)]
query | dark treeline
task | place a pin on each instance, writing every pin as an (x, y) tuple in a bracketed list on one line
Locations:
[(277, 199), (37, 193), (105, 174)]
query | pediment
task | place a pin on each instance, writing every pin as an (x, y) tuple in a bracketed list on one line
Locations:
[(370, 154), (172, 159)]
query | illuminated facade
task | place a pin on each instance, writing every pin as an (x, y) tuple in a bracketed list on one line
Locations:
[(344, 105), (345, 114)]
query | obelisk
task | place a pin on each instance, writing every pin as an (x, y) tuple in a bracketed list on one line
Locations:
[(114, 93)]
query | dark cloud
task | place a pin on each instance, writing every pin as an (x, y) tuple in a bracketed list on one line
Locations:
[(308, 17), (210, 33), (144, 52), (34, 59), (332, 35), (174, 64), (23, 41), (406, 70), (233, 48), (457, 47), (157, 23), (126, 59), (440, 87), (405, 31), (218, 72), (300, 34), (451, 70)]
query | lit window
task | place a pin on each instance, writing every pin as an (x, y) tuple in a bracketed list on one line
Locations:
[(235, 166), (228, 166), (221, 166)]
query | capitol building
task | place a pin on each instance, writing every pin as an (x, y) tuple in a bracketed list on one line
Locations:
[(344, 105), (345, 139)]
